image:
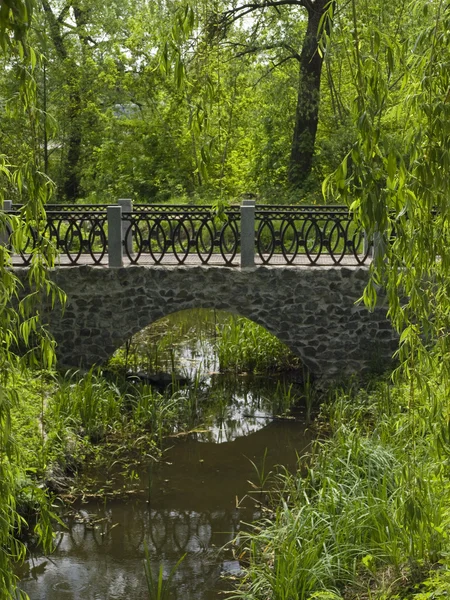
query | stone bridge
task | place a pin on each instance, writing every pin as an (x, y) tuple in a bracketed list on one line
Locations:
[(296, 270), (312, 309)]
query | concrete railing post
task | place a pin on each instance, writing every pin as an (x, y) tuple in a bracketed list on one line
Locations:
[(115, 246), (127, 208), (247, 233), (4, 238)]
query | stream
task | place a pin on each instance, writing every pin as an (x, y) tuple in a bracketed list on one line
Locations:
[(190, 505)]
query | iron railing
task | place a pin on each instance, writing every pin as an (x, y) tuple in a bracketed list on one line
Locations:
[(77, 235), (167, 234), (309, 234)]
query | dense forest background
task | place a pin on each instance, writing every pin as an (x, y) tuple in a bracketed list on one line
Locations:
[(159, 100)]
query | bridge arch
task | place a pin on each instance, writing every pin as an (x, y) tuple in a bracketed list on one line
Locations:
[(310, 309), (200, 321)]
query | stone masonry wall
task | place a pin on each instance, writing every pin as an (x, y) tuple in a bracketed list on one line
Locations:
[(311, 309)]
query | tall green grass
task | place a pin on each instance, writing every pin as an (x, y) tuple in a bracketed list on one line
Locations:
[(243, 345), (88, 414), (368, 511), (160, 587), (86, 403)]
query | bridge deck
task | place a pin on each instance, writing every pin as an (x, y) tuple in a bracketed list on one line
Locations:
[(170, 260)]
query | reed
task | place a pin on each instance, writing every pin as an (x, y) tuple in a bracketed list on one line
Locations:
[(156, 413), (90, 415), (367, 508), (243, 345), (88, 404), (160, 587)]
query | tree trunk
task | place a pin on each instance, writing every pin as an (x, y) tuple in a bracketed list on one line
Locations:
[(307, 111), (71, 182)]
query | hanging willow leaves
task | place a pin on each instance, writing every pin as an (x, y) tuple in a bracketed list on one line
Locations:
[(399, 191), (186, 43), (23, 338)]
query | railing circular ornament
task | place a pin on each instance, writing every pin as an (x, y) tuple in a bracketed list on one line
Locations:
[(312, 240), (158, 240), (97, 241), (204, 241), (73, 242), (360, 246), (52, 232), (266, 239), (133, 242), (229, 241), (289, 240), (181, 241), (336, 242), (28, 244)]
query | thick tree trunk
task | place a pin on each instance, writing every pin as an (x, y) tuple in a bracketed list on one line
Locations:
[(307, 112), (71, 182)]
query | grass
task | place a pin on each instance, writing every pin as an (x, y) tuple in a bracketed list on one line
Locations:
[(367, 515), (246, 346), (64, 422), (88, 404), (160, 587)]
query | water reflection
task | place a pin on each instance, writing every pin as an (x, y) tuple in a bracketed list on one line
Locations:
[(103, 561), (189, 506), (231, 406), (192, 503)]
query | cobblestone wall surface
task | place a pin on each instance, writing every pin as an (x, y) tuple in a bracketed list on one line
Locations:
[(311, 309)]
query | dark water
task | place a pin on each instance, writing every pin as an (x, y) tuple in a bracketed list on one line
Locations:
[(192, 504)]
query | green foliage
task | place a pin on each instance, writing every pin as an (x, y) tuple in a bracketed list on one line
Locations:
[(436, 585), (87, 410), (245, 346), (157, 100), (86, 404), (23, 338), (395, 177), (367, 509), (15, 20)]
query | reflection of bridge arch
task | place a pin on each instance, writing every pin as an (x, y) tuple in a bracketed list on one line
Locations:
[(164, 531), (168, 534), (311, 309)]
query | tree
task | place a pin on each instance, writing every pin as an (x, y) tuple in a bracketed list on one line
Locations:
[(309, 59), (77, 38)]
